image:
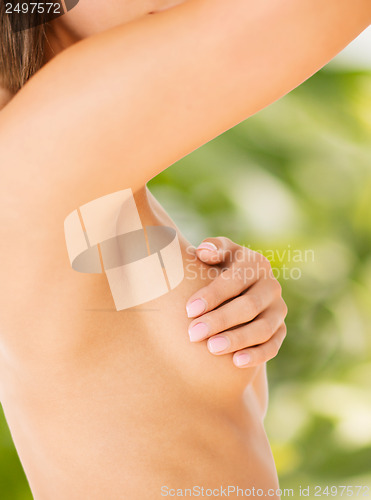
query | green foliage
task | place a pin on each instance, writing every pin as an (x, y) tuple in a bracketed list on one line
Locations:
[(294, 182)]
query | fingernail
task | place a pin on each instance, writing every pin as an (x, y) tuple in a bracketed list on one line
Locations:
[(217, 344), (196, 308), (207, 245), (198, 332), (241, 359)]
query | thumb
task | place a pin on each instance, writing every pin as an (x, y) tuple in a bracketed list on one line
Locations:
[(210, 251)]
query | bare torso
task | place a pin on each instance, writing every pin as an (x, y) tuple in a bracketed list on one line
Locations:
[(117, 404)]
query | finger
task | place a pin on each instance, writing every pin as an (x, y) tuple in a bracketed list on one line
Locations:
[(255, 333), (236, 312), (229, 284), (214, 251), (260, 354)]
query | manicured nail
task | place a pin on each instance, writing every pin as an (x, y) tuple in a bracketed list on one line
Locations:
[(217, 344), (198, 332), (207, 245), (196, 308), (241, 359)]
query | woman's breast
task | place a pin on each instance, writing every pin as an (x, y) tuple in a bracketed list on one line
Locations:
[(154, 336), (168, 341), (69, 322), (72, 330)]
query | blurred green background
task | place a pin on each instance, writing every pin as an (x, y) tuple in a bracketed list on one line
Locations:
[(294, 182)]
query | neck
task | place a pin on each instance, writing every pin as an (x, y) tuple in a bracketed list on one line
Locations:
[(5, 97), (58, 38)]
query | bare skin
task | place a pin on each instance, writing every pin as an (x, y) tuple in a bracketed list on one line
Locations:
[(119, 404)]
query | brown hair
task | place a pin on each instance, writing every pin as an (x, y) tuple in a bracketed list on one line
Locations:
[(22, 52)]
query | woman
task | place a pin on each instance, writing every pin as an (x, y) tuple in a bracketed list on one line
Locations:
[(110, 404)]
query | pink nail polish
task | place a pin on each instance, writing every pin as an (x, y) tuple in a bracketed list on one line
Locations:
[(241, 359), (217, 344), (196, 308), (207, 245), (198, 332)]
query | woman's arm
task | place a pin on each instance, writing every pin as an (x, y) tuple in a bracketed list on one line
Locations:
[(125, 104)]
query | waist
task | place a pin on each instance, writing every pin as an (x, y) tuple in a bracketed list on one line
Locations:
[(113, 435)]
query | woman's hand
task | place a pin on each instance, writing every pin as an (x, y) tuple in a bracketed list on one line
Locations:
[(242, 310)]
